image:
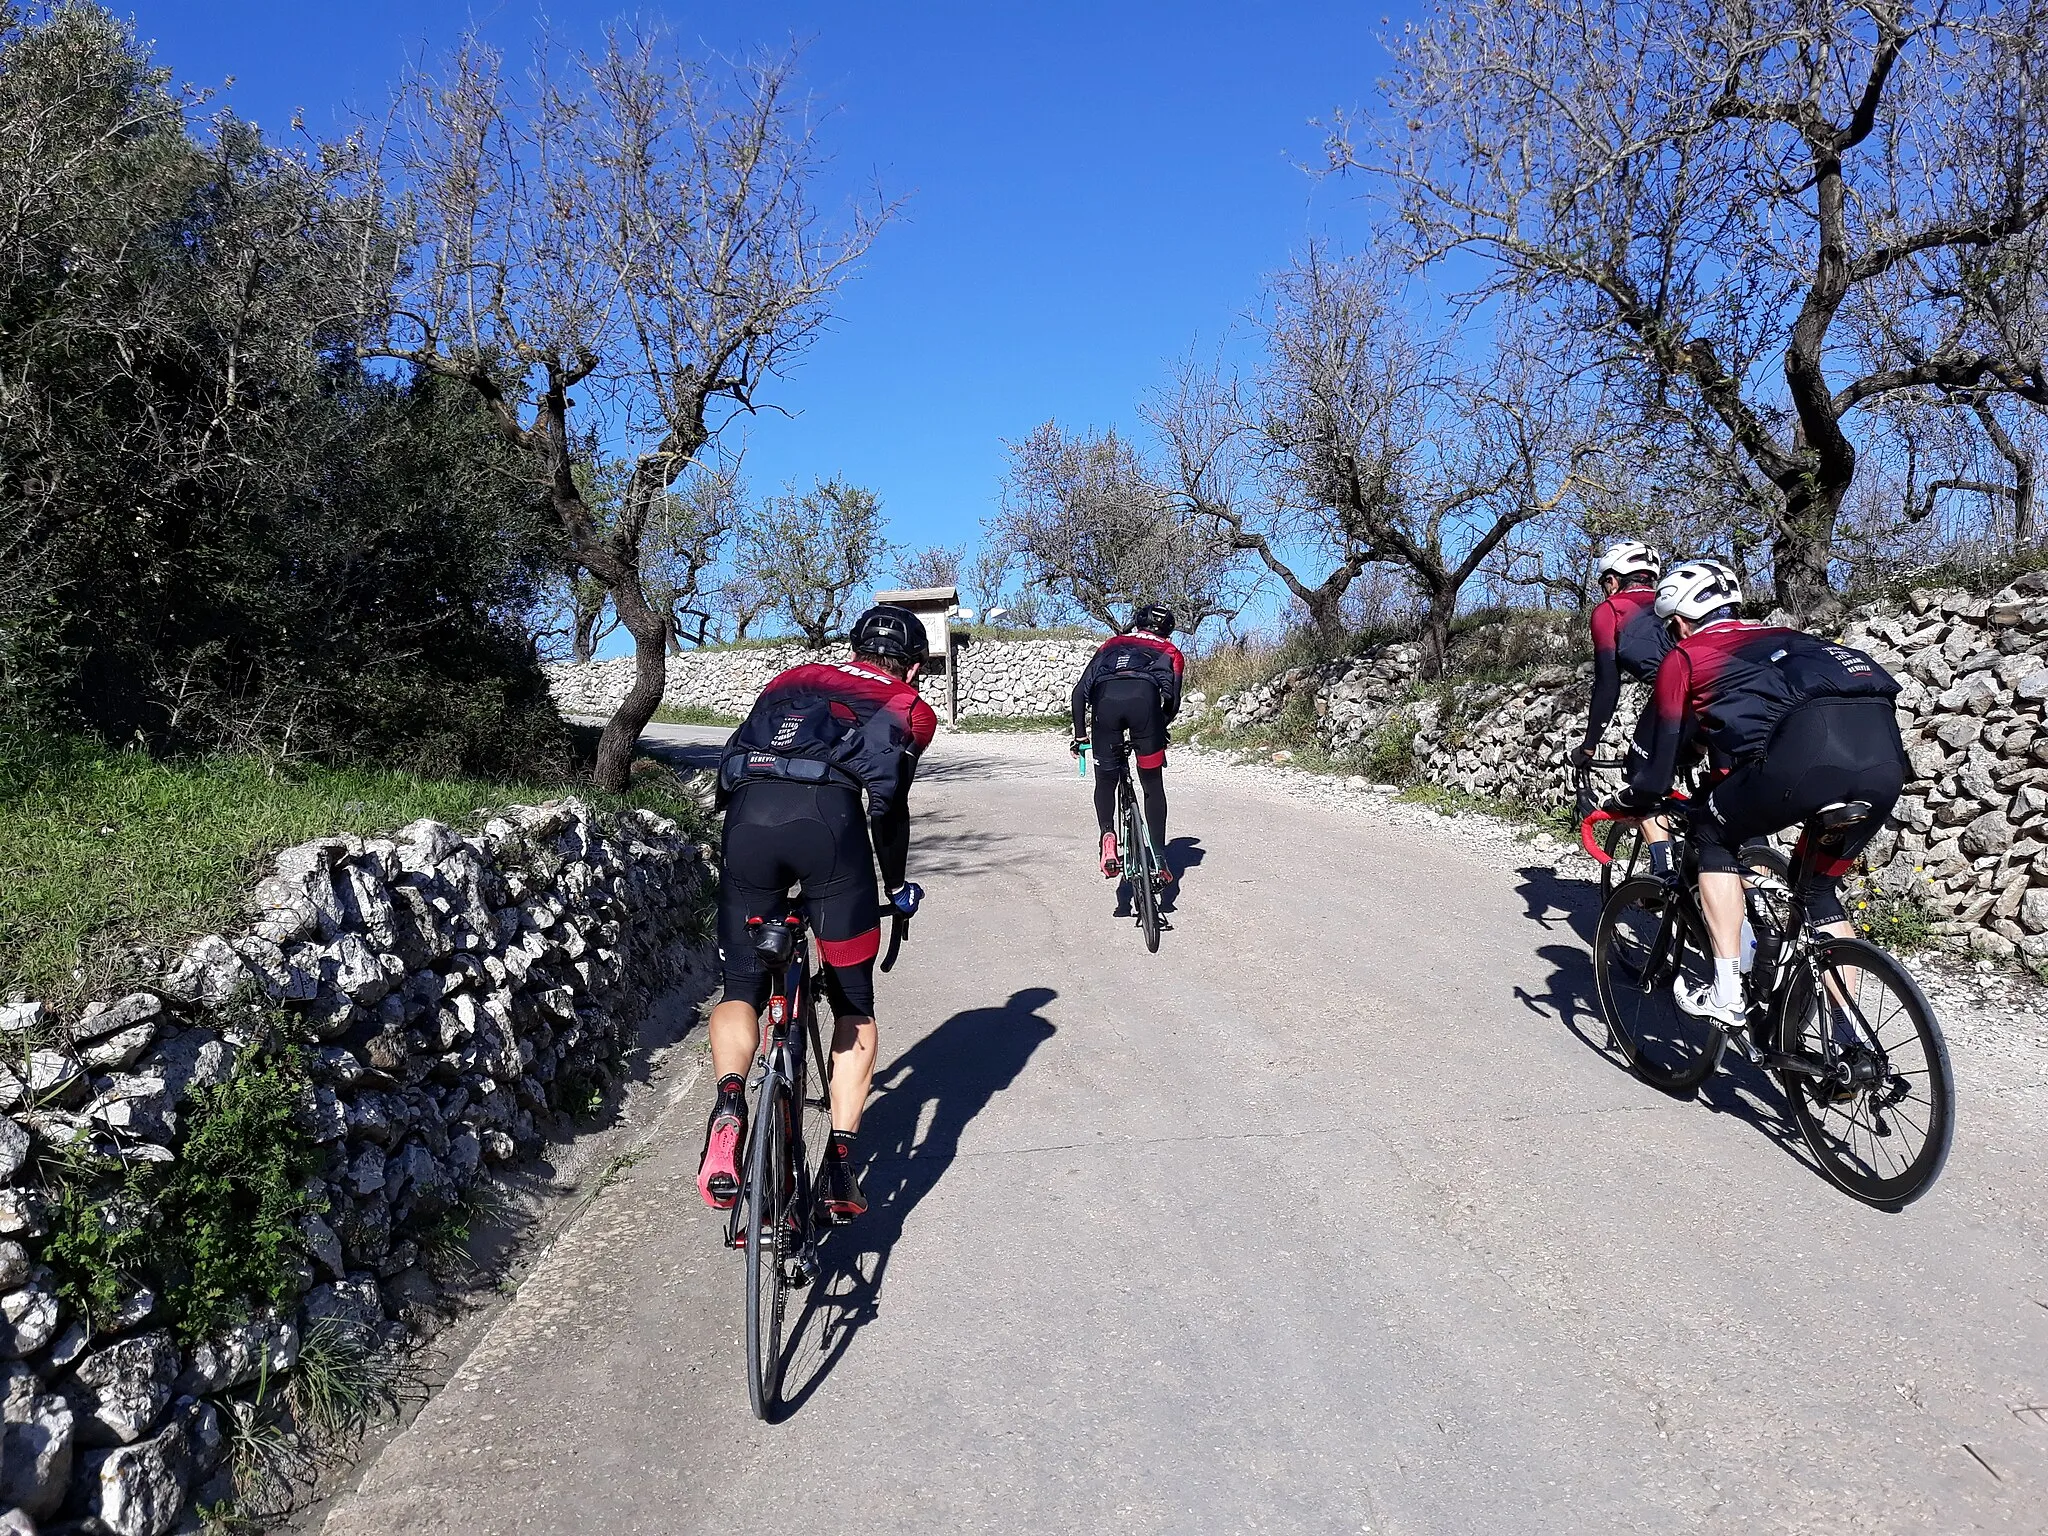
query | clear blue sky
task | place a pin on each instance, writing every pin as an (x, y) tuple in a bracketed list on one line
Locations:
[(1091, 187)]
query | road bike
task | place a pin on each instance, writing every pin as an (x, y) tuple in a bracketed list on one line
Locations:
[(1837, 1020), (1139, 862), (773, 1220)]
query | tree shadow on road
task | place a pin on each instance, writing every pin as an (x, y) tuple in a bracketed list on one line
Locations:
[(1739, 1088), (942, 1082)]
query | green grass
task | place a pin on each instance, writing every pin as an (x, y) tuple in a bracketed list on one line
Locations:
[(1452, 802), (979, 723), (1019, 632), (692, 714), (101, 849)]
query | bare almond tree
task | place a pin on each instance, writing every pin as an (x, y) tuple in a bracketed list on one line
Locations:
[(1357, 442), (814, 554), (932, 565), (1710, 187), (621, 248), (1093, 523), (1342, 374)]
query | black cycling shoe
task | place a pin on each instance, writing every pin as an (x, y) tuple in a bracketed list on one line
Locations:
[(840, 1197)]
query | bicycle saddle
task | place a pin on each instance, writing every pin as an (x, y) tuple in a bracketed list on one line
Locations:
[(774, 942), (1843, 813)]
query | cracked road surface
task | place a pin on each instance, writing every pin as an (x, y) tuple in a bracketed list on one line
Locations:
[(1333, 1216)]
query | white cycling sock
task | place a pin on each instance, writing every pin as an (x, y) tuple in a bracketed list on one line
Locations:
[(1727, 983)]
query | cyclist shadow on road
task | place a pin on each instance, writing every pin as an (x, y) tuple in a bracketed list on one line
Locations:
[(1182, 854), (941, 1082), (1571, 997)]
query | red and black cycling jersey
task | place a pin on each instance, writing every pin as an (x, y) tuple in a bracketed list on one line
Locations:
[(838, 723), (1135, 655), (1727, 686), (1627, 637)]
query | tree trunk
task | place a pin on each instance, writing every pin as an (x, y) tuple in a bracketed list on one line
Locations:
[(1804, 545), (1326, 614), (1443, 607), (649, 630)]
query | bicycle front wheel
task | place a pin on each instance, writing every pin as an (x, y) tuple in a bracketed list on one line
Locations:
[(768, 1193), (1622, 842), (1640, 949), (1880, 1121)]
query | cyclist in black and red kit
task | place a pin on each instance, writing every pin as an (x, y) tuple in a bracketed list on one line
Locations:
[(819, 737), (1790, 724), (1628, 639), (1133, 686)]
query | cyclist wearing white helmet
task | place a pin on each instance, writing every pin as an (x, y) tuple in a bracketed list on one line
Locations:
[(1628, 638), (1789, 723)]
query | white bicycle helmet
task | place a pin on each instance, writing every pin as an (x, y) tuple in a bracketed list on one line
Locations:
[(1631, 557), (1693, 589)]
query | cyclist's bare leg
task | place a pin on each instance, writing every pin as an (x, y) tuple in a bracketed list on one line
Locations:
[(1721, 904), (735, 1031), (853, 1069)]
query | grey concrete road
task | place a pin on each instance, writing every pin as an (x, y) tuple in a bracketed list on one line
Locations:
[(1333, 1216)]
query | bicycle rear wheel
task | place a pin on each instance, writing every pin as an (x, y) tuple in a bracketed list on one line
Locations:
[(1883, 1133), (1140, 871), (1639, 950), (767, 1194)]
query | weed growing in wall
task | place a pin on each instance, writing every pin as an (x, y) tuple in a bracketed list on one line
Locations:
[(214, 1232), (1901, 920)]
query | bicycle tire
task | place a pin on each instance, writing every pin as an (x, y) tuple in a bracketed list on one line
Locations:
[(1850, 1140), (1144, 877), (767, 1183), (1633, 970)]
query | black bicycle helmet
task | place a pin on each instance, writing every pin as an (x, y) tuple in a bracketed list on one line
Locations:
[(892, 631), (1156, 617)]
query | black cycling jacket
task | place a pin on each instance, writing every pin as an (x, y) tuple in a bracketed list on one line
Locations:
[(1728, 686), (1137, 654)]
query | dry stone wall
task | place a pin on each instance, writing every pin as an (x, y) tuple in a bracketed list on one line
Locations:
[(997, 677), (1969, 836), (442, 989)]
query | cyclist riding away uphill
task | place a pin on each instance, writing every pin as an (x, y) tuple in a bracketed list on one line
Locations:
[(792, 778), (1790, 724), (1628, 637), (1133, 685)]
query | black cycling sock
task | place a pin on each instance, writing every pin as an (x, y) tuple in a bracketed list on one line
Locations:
[(1105, 801), (842, 1145), (1660, 859), (732, 1091)]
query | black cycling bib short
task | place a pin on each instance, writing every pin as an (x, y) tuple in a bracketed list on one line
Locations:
[(779, 834), (1823, 752), (1130, 706)]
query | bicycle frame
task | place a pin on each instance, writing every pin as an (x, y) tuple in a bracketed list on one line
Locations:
[(1795, 949), (782, 1070), (1130, 812)]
